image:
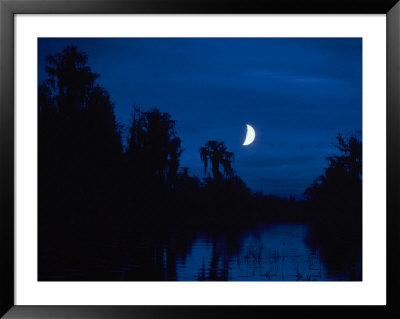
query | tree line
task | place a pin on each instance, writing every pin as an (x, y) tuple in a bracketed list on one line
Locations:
[(89, 178)]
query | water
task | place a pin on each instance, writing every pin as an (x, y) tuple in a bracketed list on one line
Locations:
[(273, 253), (279, 252)]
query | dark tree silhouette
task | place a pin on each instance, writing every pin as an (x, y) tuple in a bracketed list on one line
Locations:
[(70, 78), (334, 206), (340, 186), (153, 147), (217, 153), (79, 141)]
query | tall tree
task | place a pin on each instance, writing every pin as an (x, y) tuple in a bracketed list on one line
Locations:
[(80, 148), (70, 78), (217, 153), (340, 186), (154, 149)]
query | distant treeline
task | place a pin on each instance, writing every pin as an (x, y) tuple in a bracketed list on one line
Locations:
[(89, 179)]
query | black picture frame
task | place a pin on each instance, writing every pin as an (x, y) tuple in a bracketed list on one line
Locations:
[(9, 8)]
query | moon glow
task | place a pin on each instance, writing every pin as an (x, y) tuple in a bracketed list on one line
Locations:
[(250, 135)]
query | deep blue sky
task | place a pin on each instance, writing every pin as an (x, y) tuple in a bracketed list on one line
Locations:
[(298, 94)]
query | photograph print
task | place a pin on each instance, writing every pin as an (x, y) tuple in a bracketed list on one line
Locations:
[(199, 159)]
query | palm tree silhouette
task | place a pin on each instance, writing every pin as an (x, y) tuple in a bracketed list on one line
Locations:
[(216, 152)]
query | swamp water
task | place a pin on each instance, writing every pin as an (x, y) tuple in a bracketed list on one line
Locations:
[(278, 252)]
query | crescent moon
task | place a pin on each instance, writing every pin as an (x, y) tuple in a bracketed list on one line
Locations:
[(250, 135)]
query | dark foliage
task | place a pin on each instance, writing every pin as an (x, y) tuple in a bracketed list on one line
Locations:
[(335, 204)]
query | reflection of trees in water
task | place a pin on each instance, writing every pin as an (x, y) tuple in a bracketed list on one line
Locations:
[(152, 256), (341, 257)]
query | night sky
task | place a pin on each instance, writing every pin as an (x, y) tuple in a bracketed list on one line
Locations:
[(298, 94)]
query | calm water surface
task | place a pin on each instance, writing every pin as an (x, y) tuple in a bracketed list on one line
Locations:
[(277, 252)]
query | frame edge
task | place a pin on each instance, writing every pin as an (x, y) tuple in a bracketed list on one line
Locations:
[(7, 10), (6, 158), (393, 154)]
